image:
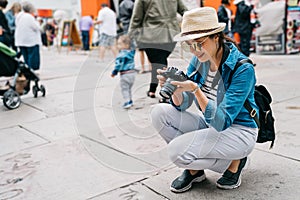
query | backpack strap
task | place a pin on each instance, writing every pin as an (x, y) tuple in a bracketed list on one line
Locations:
[(252, 112), (247, 105)]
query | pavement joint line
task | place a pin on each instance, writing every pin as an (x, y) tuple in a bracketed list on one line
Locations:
[(276, 154), (121, 187), (8, 127), (36, 108), (117, 150), (153, 190), (283, 101), (54, 94), (57, 77), (28, 130)]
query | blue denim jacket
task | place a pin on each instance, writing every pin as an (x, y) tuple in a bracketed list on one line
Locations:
[(229, 107), (124, 61)]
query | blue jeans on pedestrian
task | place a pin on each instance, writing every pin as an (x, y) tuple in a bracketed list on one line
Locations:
[(85, 40), (31, 56)]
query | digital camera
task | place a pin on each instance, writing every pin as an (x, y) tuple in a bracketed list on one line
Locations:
[(171, 74)]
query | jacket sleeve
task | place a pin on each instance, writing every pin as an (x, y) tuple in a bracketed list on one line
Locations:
[(188, 98), (222, 15), (245, 11), (137, 18), (118, 65), (222, 116)]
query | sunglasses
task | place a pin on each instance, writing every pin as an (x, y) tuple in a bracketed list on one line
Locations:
[(196, 46)]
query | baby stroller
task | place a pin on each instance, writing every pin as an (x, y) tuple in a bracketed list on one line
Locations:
[(10, 65)]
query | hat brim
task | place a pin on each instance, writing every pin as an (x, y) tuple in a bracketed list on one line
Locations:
[(179, 37)]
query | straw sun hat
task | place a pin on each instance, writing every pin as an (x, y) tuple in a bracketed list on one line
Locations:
[(199, 22)]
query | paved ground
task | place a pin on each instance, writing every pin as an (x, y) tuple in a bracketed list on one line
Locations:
[(77, 142)]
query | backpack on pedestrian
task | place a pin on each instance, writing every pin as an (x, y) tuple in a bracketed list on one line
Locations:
[(263, 99)]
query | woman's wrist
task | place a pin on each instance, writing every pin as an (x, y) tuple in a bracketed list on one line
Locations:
[(195, 89)]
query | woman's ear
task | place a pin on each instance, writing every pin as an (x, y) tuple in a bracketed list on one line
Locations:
[(216, 38)]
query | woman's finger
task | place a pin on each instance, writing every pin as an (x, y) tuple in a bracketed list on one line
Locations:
[(159, 71)]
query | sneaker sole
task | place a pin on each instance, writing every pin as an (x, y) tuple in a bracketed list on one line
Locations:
[(230, 187), (195, 180)]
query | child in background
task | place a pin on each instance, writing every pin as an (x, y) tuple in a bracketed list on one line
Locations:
[(124, 65)]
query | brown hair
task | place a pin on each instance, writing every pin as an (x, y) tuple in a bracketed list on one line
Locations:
[(222, 39), (16, 7)]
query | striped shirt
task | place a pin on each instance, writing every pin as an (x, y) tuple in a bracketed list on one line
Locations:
[(210, 93)]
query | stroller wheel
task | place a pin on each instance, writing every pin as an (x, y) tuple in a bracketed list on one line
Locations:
[(35, 90), (11, 99), (43, 90)]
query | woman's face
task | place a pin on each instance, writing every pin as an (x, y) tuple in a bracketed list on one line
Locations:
[(203, 48)]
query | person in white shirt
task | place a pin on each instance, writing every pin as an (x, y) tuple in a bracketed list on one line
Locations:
[(108, 30), (28, 36)]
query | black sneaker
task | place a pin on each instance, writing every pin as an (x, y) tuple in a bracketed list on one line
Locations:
[(185, 181), (231, 180)]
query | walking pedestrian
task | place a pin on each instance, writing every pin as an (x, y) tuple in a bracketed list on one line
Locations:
[(225, 16), (85, 25), (108, 30), (124, 65), (125, 13), (242, 25), (11, 16), (28, 36), (223, 134), (155, 22)]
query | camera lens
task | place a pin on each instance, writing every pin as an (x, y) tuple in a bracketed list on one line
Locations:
[(168, 89)]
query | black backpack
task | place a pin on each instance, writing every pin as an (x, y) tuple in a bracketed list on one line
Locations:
[(263, 99)]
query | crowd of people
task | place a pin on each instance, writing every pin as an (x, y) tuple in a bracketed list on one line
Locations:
[(219, 138), (24, 32)]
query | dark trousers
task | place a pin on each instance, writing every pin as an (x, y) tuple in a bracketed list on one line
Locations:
[(245, 40), (85, 40), (158, 59), (31, 56)]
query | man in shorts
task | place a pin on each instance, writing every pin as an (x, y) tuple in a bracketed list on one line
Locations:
[(108, 30)]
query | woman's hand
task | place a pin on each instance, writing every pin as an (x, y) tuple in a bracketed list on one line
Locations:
[(185, 86), (161, 79)]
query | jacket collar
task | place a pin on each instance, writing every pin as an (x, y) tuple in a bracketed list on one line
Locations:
[(234, 56)]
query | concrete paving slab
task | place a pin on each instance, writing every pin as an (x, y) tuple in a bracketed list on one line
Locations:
[(134, 191), (116, 160), (265, 178), (61, 170), (287, 108), (59, 85), (62, 127), (60, 104), (138, 115), (287, 140), (24, 113), (16, 138), (55, 64), (113, 97), (139, 143)]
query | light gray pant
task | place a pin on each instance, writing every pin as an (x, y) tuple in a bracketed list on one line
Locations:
[(194, 145), (126, 83)]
